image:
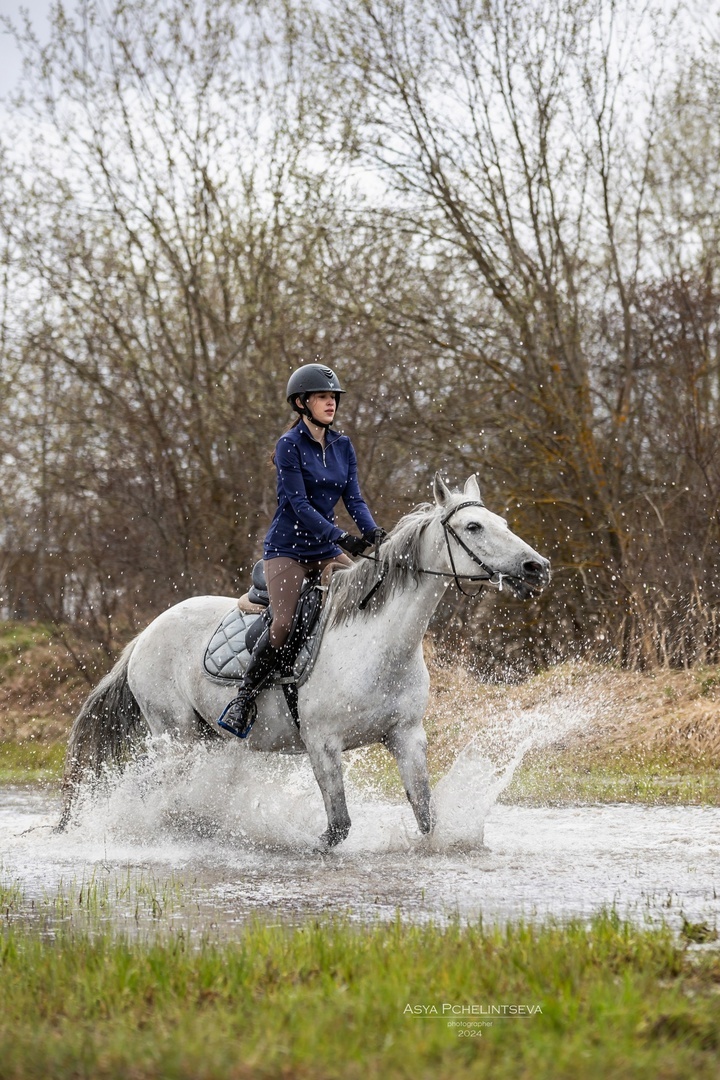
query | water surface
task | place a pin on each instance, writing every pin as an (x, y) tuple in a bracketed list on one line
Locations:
[(236, 833)]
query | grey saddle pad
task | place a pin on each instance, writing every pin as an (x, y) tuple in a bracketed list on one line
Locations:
[(227, 658)]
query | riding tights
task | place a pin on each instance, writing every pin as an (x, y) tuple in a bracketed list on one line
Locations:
[(285, 579)]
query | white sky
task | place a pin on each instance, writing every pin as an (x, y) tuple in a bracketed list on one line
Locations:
[(703, 15), (10, 64)]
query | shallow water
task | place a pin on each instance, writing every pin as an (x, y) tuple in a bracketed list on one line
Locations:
[(235, 833)]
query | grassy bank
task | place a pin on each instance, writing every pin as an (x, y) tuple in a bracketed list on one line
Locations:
[(598, 734), (564, 780), (45, 674), (30, 761), (42, 683), (331, 1001)]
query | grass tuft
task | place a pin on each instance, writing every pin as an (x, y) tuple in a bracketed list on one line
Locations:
[(698, 933), (29, 761)]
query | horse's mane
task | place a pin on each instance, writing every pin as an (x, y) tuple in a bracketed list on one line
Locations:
[(399, 559)]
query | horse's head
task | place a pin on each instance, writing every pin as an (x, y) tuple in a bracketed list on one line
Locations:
[(479, 542)]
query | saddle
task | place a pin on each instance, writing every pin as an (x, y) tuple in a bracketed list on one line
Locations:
[(228, 652), (256, 599)]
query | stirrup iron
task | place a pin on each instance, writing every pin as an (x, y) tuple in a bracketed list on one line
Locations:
[(243, 725)]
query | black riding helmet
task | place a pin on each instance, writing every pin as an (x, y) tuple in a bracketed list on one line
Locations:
[(312, 379)]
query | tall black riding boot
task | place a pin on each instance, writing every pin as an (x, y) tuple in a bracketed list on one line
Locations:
[(239, 716)]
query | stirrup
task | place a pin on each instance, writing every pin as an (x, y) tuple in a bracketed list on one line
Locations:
[(242, 727)]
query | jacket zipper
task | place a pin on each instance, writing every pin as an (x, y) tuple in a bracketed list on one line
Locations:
[(323, 447)]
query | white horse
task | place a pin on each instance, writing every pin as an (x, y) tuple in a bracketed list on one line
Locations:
[(369, 683)]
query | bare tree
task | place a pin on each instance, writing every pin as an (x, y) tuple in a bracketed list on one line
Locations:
[(496, 219)]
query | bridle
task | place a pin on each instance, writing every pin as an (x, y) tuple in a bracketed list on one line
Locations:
[(491, 577)]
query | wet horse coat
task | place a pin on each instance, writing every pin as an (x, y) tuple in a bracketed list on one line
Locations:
[(369, 684)]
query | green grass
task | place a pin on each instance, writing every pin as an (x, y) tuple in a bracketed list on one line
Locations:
[(17, 638), (329, 1000), (129, 901), (28, 761), (563, 780), (652, 782), (545, 782)]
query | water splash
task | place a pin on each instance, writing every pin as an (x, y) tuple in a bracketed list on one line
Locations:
[(237, 831), (273, 802), (487, 764), (225, 792)]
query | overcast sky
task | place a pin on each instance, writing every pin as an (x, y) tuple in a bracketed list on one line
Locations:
[(699, 14), (10, 66)]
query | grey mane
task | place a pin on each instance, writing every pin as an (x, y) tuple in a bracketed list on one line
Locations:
[(399, 558)]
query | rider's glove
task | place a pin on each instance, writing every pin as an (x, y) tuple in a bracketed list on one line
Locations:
[(354, 545), (375, 536)]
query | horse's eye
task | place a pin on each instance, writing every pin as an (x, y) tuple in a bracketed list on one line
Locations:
[(474, 526)]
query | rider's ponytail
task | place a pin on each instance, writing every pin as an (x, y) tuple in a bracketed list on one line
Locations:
[(288, 427)]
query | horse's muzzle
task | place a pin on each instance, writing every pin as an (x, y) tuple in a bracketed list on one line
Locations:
[(536, 573), (535, 576)]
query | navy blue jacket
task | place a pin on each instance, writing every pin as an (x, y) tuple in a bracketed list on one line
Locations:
[(309, 485)]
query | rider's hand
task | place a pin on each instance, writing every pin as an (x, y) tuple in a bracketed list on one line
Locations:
[(376, 536), (354, 545)]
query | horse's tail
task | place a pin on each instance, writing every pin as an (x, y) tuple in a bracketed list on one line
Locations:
[(106, 730)]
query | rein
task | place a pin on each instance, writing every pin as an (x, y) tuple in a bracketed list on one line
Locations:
[(381, 576), (494, 577)]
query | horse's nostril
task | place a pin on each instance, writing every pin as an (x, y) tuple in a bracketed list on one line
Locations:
[(532, 568)]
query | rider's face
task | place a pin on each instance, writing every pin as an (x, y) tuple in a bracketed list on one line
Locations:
[(322, 406)]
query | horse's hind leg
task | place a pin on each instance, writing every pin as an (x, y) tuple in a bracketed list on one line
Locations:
[(408, 745), (326, 760)]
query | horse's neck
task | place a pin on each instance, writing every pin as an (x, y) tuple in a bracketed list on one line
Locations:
[(405, 614)]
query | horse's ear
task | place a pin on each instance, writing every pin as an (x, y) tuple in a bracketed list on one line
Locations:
[(440, 490), (472, 488)]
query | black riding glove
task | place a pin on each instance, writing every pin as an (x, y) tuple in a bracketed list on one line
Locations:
[(354, 545), (375, 537)]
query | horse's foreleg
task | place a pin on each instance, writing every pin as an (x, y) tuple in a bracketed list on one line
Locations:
[(326, 760), (408, 745)]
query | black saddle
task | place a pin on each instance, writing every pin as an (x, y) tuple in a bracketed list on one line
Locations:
[(258, 591)]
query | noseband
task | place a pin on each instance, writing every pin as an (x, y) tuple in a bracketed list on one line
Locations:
[(494, 577)]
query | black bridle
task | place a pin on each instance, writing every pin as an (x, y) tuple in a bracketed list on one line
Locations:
[(494, 577)]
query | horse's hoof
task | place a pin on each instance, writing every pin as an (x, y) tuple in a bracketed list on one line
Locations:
[(333, 835), (427, 820)]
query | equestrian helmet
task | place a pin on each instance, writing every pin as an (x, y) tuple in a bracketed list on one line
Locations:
[(312, 379)]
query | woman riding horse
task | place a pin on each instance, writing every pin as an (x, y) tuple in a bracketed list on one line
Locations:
[(316, 467)]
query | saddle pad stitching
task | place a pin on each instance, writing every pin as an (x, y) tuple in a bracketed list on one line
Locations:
[(222, 659)]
